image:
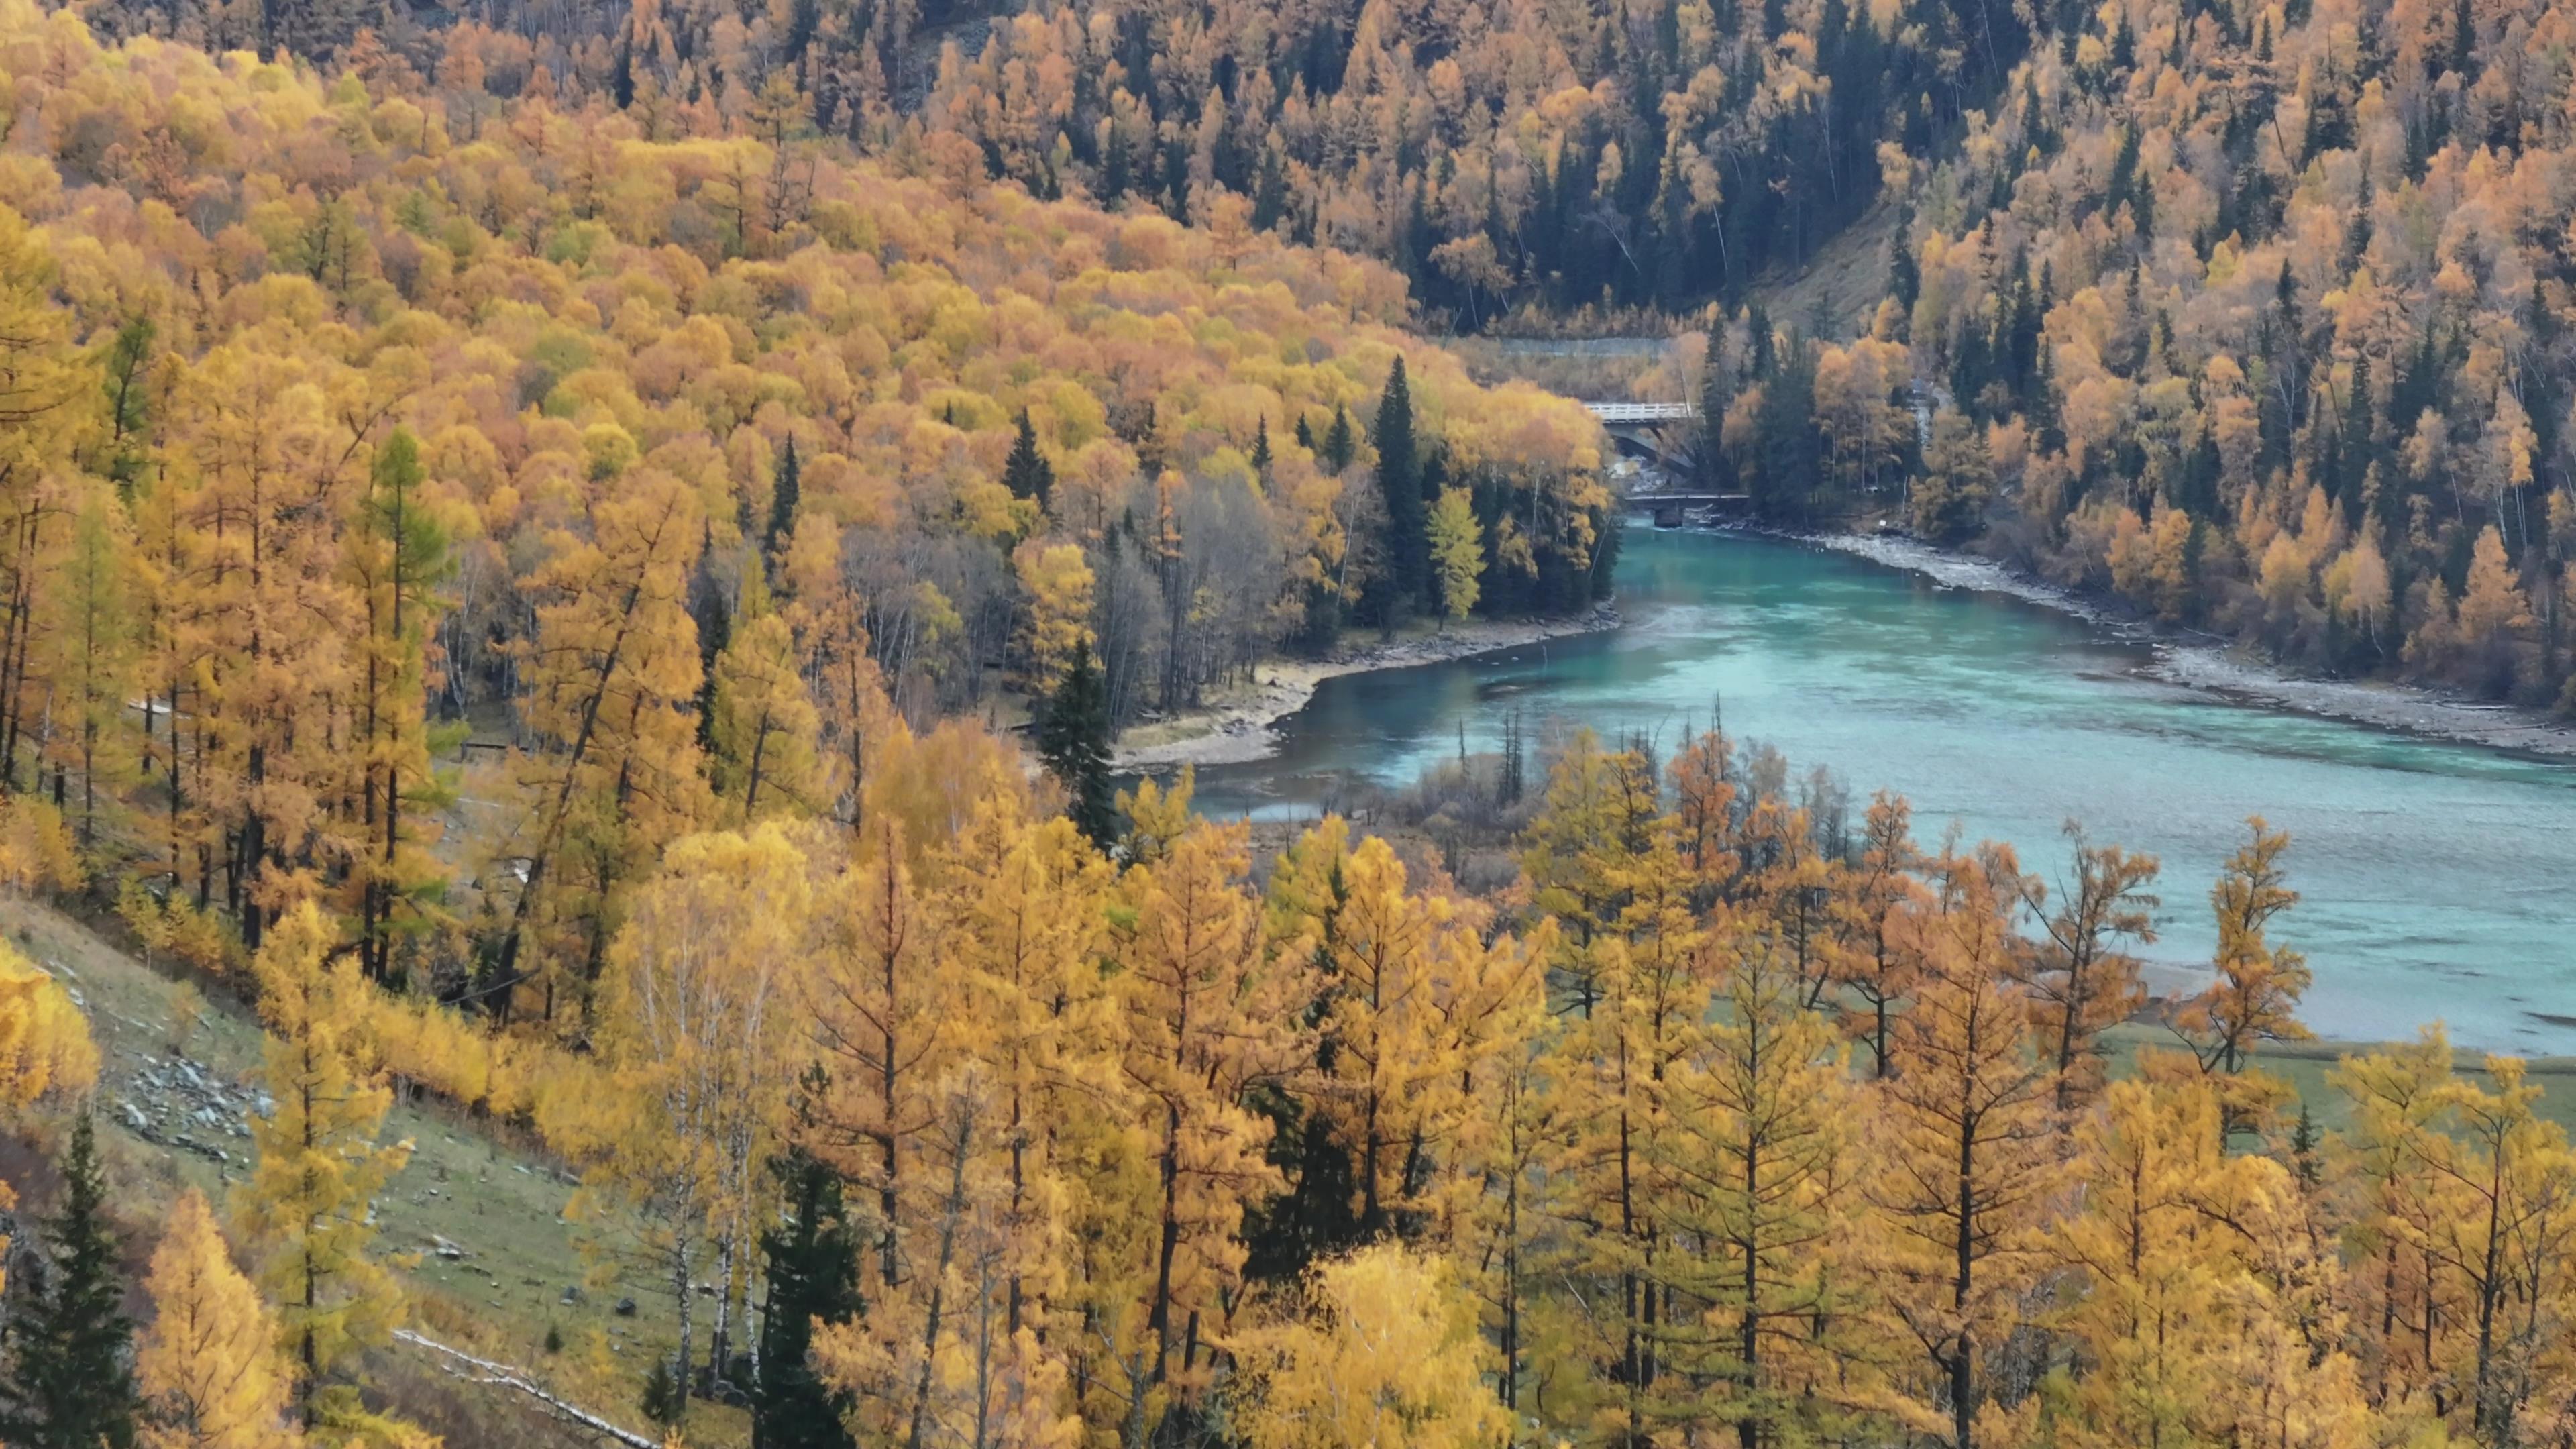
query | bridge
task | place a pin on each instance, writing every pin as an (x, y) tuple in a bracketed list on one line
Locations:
[(1641, 427), (1656, 431)]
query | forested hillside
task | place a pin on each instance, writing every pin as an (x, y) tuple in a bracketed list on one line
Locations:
[(521, 560), (2257, 317), (1557, 156), (2253, 315)]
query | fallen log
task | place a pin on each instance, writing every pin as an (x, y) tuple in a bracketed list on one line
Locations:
[(466, 1366)]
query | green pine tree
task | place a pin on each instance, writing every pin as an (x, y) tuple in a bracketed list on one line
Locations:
[(662, 1400), (1261, 449), (1399, 484), (69, 1384), (1073, 743), (782, 500), (129, 405), (813, 1278), (1027, 473), (1341, 445)]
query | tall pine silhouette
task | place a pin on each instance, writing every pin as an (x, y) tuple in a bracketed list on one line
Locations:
[(1399, 482), (782, 500), (70, 1384), (813, 1278), (1027, 473), (1073, 742)]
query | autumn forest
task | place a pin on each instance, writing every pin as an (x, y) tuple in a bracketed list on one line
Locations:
[(580, 583)]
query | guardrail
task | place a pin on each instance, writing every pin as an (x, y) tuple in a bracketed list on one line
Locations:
[(1637, 412)]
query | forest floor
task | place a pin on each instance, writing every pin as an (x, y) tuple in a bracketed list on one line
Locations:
[(1239, 724), (488, 1260), (2200, 662)]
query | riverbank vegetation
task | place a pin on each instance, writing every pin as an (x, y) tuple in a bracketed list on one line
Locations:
[(1736, 1107)]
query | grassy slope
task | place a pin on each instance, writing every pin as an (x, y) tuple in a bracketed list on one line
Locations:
[(2304, 1066), (468, 1184)]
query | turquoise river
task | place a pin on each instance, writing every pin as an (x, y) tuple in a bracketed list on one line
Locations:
[(2438, 880)]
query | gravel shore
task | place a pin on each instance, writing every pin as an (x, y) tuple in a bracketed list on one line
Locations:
[(1243, 726), (2230, 672)]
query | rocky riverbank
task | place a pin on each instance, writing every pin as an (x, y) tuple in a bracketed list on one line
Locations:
[(1242, 725), (2194, 662)]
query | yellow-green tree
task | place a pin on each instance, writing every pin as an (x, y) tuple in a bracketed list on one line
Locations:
[(309, 1204), (395, 559), (88, 631), (1457, 553), (1752, 1180), (766, 728)]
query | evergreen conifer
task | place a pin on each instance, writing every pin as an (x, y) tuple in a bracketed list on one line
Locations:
[(1073, 742), (70, 1381)]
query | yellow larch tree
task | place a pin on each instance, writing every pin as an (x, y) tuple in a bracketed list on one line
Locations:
[(1750, 1166), (766, 729), (208, 1367), (2080, 980), (2500, 1224), (258, 432), (1580, 853), (1881, 913), (88, 634), (1495, 1212), (1208, 1020), (826, 617), (1704, 793), (2255, 997), (1644, 1009), (1386, 1078), (44, 389), (308, 1207), (612, 679), (2206, 1305), (1962, 1152), (2394, 1097), (1026, 906), (879, 1010)]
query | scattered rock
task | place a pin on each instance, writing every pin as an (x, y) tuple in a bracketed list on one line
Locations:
[(626, 1308), (571, 1294), (445, 1249), (134, 1117)]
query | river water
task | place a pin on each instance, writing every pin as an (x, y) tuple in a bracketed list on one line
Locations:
[(2437, 879)]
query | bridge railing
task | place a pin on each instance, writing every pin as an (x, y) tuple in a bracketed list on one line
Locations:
[(1641, 412)]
